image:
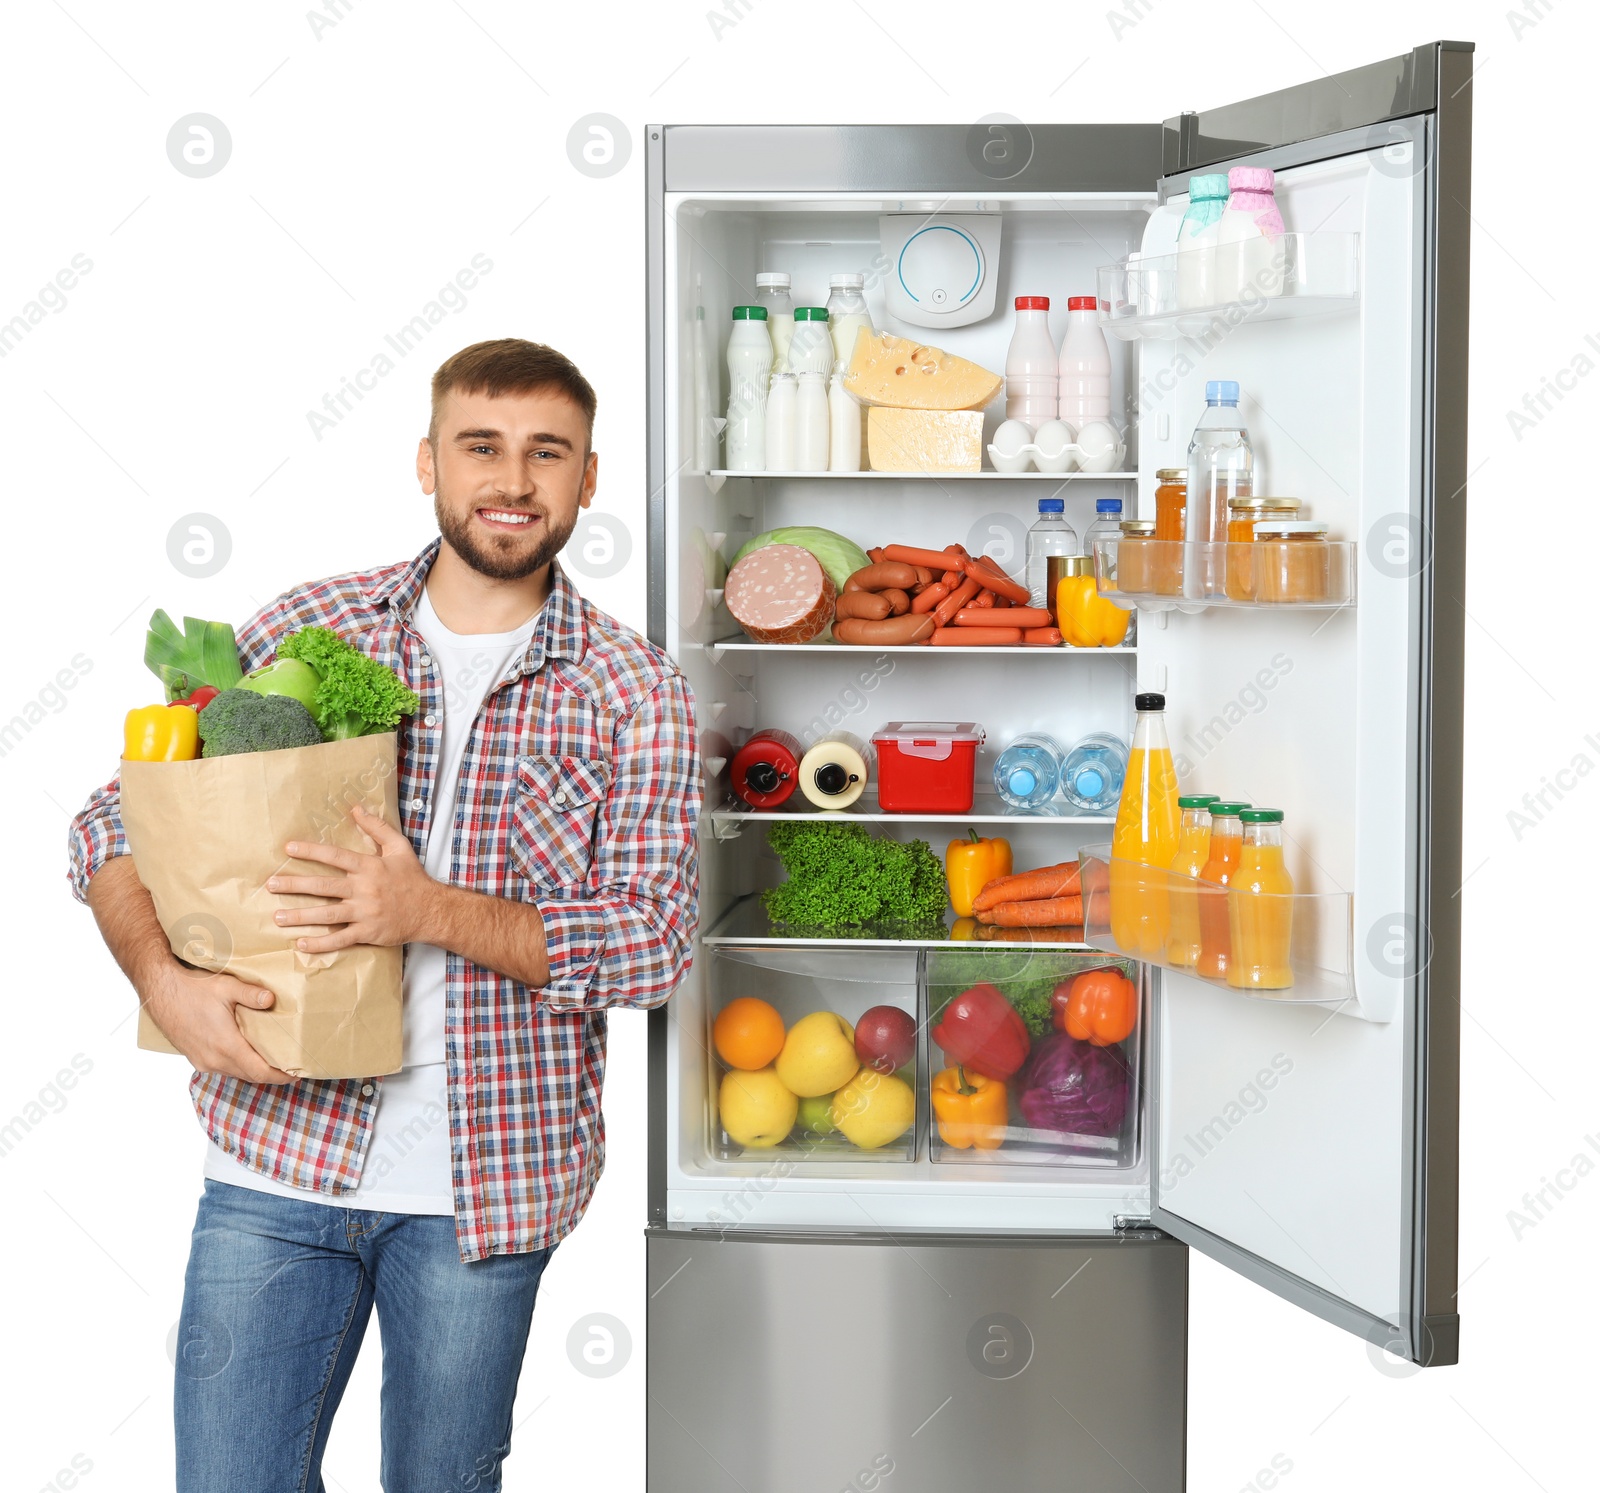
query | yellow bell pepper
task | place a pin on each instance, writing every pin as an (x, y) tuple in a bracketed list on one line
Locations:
[(1086, 618), (970, 1108), (970, 864), (161, 733), (964, 930)]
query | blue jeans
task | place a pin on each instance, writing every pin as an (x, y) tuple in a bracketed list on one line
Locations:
[(275, 1303)]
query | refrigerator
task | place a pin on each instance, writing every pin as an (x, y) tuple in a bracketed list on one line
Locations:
[(920, 1315)]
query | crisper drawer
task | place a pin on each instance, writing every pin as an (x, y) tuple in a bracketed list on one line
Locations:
[(926, 1363)]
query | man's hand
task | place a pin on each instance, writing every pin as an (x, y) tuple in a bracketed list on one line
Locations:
[(196, 1013), (382, 899)]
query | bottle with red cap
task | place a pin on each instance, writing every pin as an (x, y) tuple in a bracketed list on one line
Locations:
[(1085, 367), (766, 769), (1031, 364)]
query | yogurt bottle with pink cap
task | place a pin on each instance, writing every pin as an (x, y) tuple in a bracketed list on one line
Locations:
[(1249, 241)]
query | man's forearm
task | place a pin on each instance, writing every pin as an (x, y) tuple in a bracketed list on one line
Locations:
[(126, 917), (493, 932)]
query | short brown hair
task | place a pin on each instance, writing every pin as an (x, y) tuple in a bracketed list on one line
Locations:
[(510, 365)]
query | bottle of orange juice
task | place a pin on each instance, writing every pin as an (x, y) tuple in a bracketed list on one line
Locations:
[(1218, 870), (1146, 835), (1194, 850), (1260, 906)]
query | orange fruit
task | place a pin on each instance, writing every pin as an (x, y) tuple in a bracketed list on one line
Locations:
[(748, 1033)]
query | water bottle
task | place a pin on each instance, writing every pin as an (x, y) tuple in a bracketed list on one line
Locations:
[(1107, 523), (1091, 777), (1028, 771), (1221, 464), (1051, 536)]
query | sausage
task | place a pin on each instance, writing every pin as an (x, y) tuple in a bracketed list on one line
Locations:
[(899, 601), (977, 637), (924, 575), (875, 554), (868, 604), (891, 633), (940, 560), (954, 602), (951, 578), (991, 575), (881, 576), (1042, 637), (977, 615), (929, 597), (983, 602)]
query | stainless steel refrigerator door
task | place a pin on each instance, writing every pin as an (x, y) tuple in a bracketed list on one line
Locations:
[(804, 1364), (1333, 1181)]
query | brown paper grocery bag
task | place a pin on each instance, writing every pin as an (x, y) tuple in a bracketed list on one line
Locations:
[(206, 835)]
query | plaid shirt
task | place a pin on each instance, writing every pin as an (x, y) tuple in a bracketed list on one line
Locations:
[(579, 792)]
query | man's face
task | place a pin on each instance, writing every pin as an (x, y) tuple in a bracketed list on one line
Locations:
[(508, 477)]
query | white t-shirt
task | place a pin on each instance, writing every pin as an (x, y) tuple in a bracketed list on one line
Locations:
[(407, 1166)]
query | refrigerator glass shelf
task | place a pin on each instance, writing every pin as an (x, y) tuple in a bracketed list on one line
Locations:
[(744, 645), (746, 922), (1297, 275), (1321, 947), (984, 476), (1273, 575), (987, 808)]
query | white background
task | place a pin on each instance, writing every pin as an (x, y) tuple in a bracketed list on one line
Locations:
[(371, 160)]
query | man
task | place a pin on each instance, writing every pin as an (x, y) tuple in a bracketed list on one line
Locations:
[(543, 871)]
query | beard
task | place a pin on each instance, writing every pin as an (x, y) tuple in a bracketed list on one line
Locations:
[(501, 557)]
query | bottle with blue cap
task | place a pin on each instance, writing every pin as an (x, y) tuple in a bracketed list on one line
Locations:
[(1028, 772), (1092, 773), (1051, 537), (1221, 467)]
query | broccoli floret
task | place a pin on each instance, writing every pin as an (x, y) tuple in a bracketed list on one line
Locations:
[(239, 720), (358, 696), (842, 877)]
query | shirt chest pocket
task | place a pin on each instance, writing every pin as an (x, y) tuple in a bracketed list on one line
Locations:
[(553, 818)]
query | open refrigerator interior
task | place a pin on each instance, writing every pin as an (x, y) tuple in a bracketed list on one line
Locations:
[(1309, 710)]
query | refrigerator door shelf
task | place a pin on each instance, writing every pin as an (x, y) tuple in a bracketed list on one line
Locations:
[(1294, 276), (1321, 959), (1164, 575)]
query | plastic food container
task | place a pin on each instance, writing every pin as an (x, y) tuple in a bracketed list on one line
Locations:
[(927, 767)]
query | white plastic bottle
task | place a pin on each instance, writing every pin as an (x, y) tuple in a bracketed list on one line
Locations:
[(782, 423), (1085, 367), (1249, 244), (772, 291), (1031, 373), (844, 428), (836, 769), (811, 424), (1197, 237), (811, 349), (847, 314), (749, 368)]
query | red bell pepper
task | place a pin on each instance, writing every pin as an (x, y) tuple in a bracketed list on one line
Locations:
[(200, 698), (981, 1030)]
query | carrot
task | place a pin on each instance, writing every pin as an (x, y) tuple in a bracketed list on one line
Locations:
[(954, 602), (1060, 880), (992, 576), (1034, 914), (929, 597), (977, 637), (1042, 637), (913, 555), (1024, 617)]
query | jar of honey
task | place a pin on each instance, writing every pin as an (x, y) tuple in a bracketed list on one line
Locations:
[(1244, 513), (1293, 561), (1172, 486), (1135, 556)]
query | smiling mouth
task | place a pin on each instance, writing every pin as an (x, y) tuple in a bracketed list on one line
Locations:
[(508, 520)]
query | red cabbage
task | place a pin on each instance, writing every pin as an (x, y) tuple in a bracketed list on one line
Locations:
[(1074, 1087)]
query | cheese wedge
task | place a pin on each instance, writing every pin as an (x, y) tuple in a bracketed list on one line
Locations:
[(892, 371), (924, 440)]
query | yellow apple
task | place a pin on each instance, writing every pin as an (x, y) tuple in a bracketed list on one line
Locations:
[(819, 1054), (755, 1107), (874, 1109)]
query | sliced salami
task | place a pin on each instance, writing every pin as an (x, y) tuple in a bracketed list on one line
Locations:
[(780, 594)]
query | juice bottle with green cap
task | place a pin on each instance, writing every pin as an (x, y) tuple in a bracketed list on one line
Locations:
[(1260, 906), (1218, 870), (1194, 849), (1145, 835)]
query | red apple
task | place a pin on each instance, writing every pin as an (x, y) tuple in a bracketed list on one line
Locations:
[(886, 1037)]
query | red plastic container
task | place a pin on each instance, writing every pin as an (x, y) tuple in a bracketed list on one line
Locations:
[(927, 767)]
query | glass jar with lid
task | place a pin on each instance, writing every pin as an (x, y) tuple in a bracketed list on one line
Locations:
[(1244, 513), (1135, 554), (1172, 486), (1293, 562)]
